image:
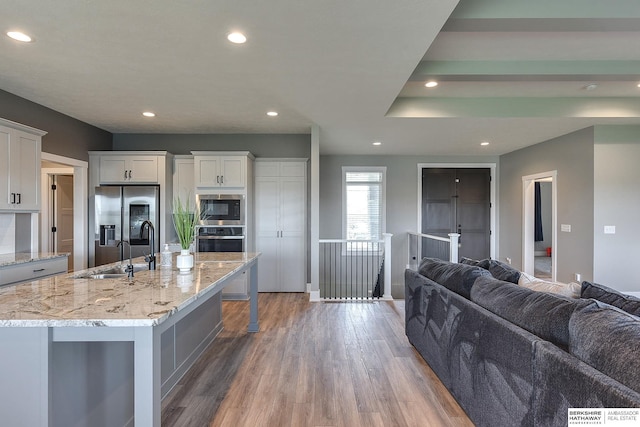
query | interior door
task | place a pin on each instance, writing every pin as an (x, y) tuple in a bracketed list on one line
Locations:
[(63, 215), (457, 200)]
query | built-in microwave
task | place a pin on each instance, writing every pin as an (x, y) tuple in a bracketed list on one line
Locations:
[(221, 209)]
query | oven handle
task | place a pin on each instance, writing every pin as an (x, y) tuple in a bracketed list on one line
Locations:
[(220, 237)]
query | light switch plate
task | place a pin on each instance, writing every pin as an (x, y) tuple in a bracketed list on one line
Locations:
[(565, 227), (609, 229)]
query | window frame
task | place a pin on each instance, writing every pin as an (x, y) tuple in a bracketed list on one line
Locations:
[(383, 201)]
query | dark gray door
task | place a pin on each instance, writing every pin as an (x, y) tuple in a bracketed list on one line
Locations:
[(457, 200)]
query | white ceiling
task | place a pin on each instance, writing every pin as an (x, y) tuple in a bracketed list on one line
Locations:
[(510, 72)]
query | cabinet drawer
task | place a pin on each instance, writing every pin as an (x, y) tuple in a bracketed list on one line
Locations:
[(33, 270)]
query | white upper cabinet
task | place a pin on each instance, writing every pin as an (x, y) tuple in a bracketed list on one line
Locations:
[(215, 170), (128, 169), (20, 148)]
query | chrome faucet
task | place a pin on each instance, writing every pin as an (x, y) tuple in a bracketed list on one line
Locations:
[(151, 258), (129, 268)]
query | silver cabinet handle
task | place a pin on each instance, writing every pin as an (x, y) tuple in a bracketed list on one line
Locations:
[(13, 198), (125, 174), (217, 179), (221, 179), (19, 198), (38, 270), (129, 174)]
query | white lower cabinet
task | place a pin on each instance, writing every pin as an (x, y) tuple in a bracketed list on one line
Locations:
[(280, 194)]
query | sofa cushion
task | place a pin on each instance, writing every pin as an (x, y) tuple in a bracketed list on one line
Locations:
[(498, 269), (458, 278), (612, 297), (543, 314), (607, 339)]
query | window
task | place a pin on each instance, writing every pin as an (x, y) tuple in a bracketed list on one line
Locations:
[(363, 203)]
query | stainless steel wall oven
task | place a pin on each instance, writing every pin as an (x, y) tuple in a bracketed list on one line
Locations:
[(220, 239)]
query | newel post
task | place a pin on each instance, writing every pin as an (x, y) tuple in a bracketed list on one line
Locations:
[(387, 266), (453, 247)]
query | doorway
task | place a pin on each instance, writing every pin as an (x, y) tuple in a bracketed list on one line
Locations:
[(458, 200), (72, 208), (539, 237)]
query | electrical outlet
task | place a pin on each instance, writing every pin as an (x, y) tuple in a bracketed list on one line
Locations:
[(609, 229), (577, 277), (508, 260), (565, 227)]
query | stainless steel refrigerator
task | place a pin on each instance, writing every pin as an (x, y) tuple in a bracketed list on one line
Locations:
[(119, 214)]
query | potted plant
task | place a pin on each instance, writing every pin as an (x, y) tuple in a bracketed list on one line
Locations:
[(184, 221)]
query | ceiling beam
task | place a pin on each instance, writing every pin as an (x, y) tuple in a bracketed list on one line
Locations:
[(619, 107)]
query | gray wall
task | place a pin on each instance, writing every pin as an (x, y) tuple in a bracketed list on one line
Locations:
[(617, 203), (572, 155), (401, 200), (260, 145), (65, 136)]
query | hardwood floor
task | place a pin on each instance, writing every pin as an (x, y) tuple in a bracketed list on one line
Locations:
[(312, 364)]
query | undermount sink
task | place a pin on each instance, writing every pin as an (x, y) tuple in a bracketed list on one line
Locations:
[(114, 272)]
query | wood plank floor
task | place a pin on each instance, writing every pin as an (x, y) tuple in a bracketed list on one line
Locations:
[(312, 364)]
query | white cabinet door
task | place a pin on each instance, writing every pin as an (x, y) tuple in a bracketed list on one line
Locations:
[(5, 139), (233, 171), (207, 171), (133, 169), (183, 185), (19, 170), (281, 226), (27, 168)]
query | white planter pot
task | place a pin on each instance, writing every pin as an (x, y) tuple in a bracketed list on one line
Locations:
[(184, 261)]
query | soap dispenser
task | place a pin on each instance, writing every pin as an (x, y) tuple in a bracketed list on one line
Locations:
[(165, 256)]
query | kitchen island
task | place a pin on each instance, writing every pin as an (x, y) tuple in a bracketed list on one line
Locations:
[(90, 349)]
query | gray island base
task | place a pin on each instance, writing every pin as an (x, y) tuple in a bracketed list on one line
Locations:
[(77, 350)]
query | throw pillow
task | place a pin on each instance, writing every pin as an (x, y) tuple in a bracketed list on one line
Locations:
[(607, 339), (569, 290), (502, 271), (478, 263), (612, 297), (458, 278)]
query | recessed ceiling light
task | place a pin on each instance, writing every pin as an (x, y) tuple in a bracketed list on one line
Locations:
[(638, 84), (591, 86), (431, 84), (484, 143), (17, 35), (149, 114), (272, 113), (237, 38), (376, 143)]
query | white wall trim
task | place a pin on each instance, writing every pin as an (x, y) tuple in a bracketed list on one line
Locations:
[(528, 218), (314, 215), (494, 207), (80, 205)]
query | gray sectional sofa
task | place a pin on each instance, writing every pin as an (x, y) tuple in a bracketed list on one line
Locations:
[(512, 356)]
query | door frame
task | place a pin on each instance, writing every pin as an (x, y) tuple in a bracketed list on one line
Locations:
[(79, 169), (493, 210), (528, 219)]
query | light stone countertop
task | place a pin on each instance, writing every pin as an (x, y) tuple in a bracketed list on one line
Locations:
[(21, 258), (147, 299)]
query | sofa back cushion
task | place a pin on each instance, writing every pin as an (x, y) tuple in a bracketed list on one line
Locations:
[(458, 278), (612, 297), (607, 339), (543, 314)]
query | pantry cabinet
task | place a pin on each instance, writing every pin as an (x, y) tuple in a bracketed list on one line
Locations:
[(280, 189), (183, 184), (217, 170), (20, 149)]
